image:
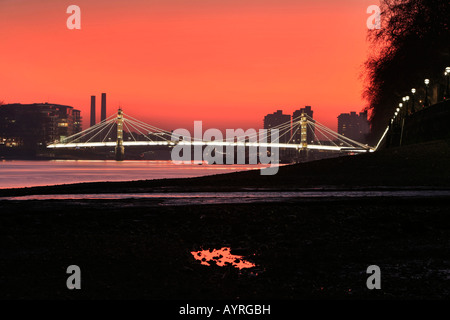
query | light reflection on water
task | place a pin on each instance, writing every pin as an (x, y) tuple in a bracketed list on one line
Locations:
[(18, 174), (191, 198), (222, 257)]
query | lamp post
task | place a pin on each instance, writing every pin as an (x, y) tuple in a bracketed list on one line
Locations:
[(447, 90), (405, 110), (413, 108), (407, 106), (402, 121), (426, 103)]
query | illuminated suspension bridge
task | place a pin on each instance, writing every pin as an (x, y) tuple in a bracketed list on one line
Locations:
[(111, 131)]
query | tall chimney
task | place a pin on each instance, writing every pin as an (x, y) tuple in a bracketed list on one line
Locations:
[(103, 112), (92, 110)]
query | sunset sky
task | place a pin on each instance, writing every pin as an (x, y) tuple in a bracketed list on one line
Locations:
[(170, 62)]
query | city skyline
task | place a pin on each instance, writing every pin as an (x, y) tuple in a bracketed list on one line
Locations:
[(201, 61), (96, 116)]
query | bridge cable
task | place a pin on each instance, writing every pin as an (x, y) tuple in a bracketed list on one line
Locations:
[(98, 133), (136, 124), (126, 126), (88, 129), (324, 135), (86, 134), (156, 134), (341, 137), (107, 134), (333, 134), (137, 128)]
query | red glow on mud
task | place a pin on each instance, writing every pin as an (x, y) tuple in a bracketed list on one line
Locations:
[(221, 257)]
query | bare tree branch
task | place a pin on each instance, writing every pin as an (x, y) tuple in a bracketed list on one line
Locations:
[(413, 44)]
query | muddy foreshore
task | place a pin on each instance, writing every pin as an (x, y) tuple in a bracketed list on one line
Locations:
[(309, 249)]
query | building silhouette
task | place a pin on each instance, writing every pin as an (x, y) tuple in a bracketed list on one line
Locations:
[(354, 126), (77, 127), (310, 133), (35, 125), (103, 110), (275, 119), (92, 123)]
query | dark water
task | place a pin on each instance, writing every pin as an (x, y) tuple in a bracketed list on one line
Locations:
[(179, 198)]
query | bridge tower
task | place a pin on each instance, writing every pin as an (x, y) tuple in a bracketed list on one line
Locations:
[(120, 150), (303, 151), (303, 132)]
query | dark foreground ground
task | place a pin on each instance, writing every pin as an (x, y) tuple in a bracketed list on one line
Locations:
[(313, 249), (309, 248)]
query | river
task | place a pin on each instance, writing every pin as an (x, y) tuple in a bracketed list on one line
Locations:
[(18, 174)]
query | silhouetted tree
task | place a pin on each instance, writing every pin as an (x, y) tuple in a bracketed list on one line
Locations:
[(412, 44)]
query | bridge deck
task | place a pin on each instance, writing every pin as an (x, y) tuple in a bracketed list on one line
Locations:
[(206, 143)]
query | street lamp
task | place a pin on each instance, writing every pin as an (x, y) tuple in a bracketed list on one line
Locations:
[(447, 91), (401, 119), (413, 108), (427, 82), (407, 105)]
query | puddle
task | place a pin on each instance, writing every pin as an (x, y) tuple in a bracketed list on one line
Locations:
[(221, 257)]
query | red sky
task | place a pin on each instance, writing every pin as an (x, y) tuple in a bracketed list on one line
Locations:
[(170, 62)]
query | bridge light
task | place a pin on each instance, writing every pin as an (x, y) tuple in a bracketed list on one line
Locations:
[(413, 107), (447, 90), (427, 82), (407, 98), (400, 105)]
